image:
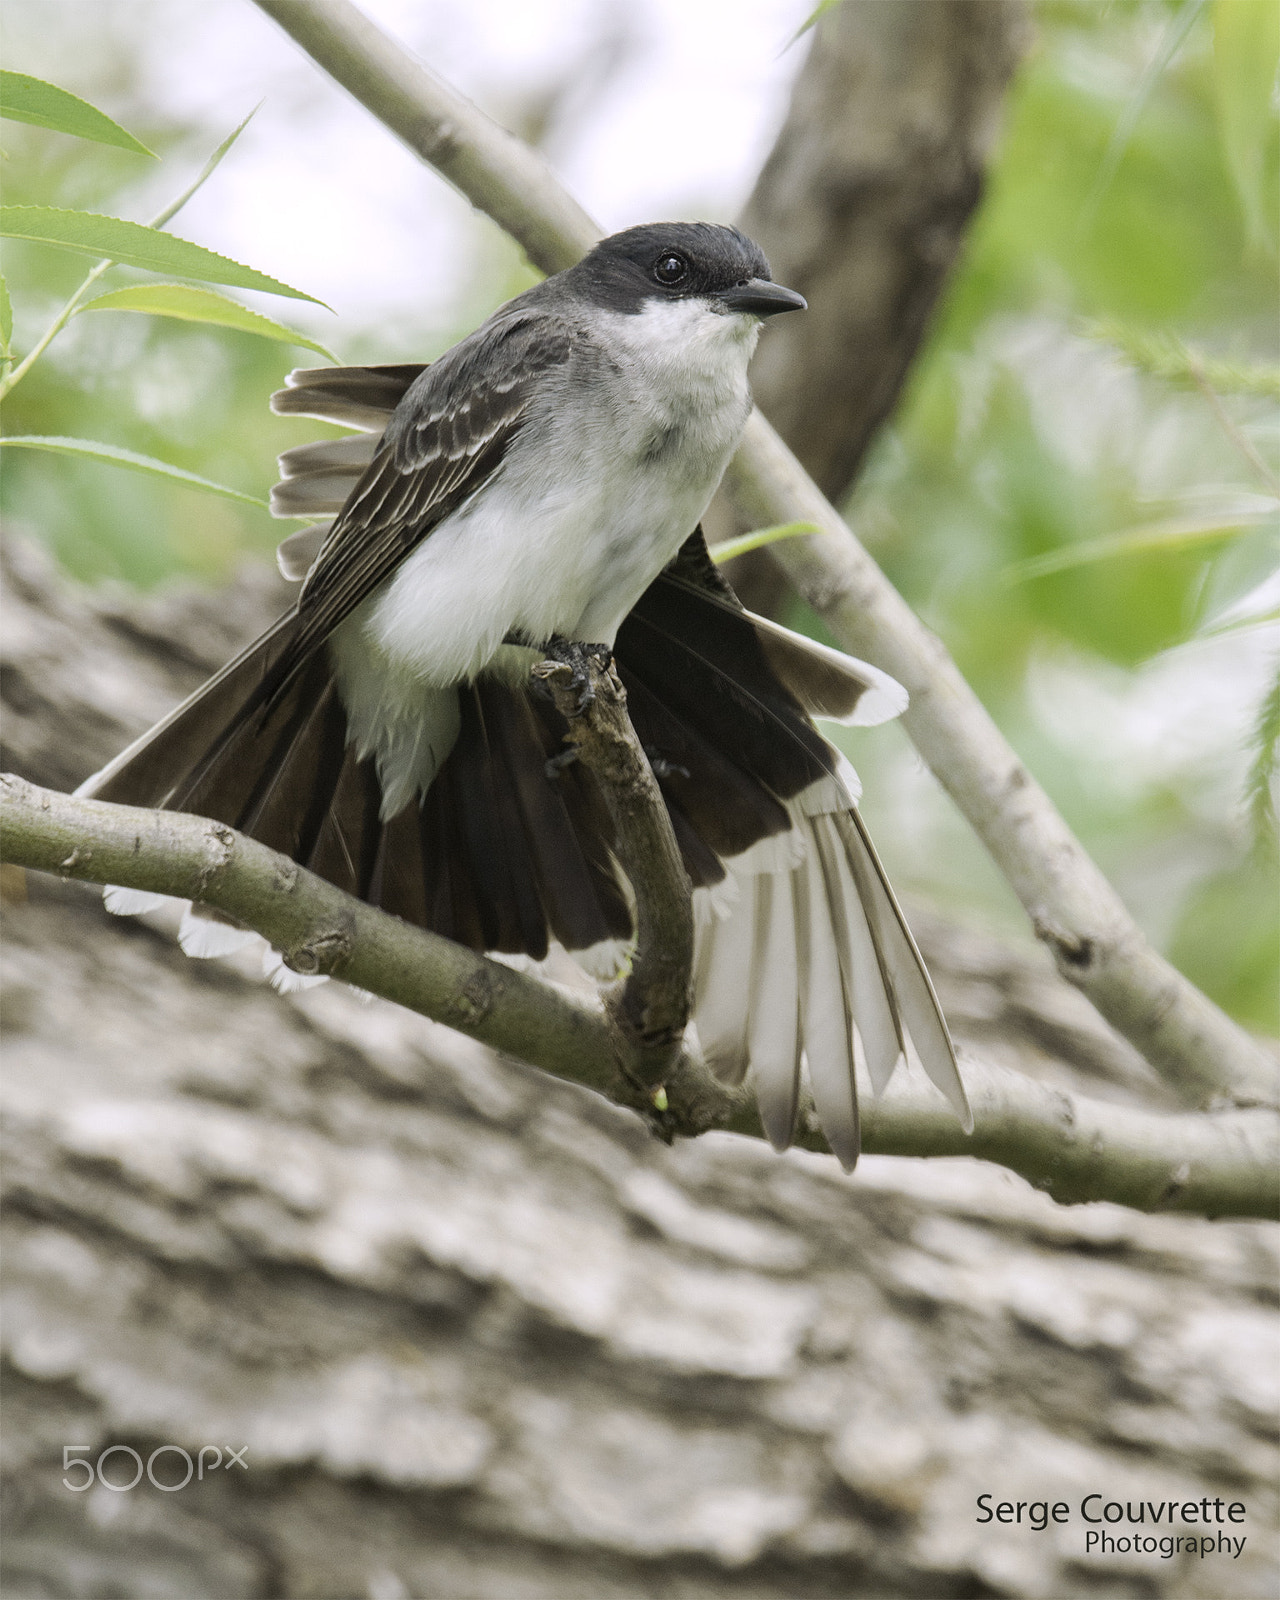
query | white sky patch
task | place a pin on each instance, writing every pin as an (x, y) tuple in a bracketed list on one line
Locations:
[(320, 195), (1184, 718)]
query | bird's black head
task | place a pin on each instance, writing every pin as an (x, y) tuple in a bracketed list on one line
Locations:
[(682, 261)]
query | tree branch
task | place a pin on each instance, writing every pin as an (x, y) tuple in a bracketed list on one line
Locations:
[(501, 175), (319, 929), (1074, 1148), (1096, 943), (649, 1005)]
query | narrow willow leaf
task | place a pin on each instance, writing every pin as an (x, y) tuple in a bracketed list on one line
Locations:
[(1256, 609), (25, 99), (1176, 30), (1263, 768), (812, 20), (1246, 54), (206, 172), (730, 548), (1175, 534), (1242, 624), (6, 317), (181, 301), (135, 245), (115, 456)]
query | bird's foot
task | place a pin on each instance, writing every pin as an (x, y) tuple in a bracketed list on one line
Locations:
[(580, 659), (555, 765)]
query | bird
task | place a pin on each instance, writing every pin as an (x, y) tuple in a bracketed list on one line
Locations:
[(539, 490)]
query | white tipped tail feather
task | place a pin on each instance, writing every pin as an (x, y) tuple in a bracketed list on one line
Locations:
[(804, 954)]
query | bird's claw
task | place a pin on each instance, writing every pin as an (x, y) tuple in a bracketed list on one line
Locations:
[(556, 764), (579, 658)]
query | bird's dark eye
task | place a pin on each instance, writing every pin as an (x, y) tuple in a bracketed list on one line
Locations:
[(671, 268)]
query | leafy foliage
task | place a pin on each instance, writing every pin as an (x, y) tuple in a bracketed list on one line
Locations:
[(114, 241), (186, 304), (133, 244), (1067, 493), (1080, 490), (115, 455), (27, 99)]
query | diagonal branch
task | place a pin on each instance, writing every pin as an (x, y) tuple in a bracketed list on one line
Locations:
[(500, 174), (1074, 1148), (1096, 943)]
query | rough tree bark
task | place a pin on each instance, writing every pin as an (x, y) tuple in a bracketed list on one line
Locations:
[(484, 1338), (863, 204)]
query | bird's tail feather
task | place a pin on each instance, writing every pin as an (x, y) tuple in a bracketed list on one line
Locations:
[(813, 957), (152, 770), (494, 855)]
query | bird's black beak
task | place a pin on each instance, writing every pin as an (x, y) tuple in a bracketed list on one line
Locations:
[(762, 298)]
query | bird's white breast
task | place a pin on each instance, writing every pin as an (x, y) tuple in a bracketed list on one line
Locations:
[(610, 475)]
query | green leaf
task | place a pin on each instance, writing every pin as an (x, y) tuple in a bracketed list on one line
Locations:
[(812, 20), (1262, 619), (1265, 763), (1175, 534), (180, 300), (1172, 40), (25, 99), (206, 172), (115, 456), (135, 245), (6, 317), (1246, 55), (747, 542)]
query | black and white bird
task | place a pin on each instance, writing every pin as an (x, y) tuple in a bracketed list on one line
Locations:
[(542, 483)]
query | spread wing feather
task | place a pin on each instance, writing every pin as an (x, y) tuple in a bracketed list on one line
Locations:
[(449, 433)]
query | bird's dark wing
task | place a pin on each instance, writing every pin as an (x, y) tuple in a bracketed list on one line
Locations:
[(447, 428), (448, 435), (355, 397)]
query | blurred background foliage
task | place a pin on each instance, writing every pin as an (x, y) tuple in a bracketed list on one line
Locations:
[(1106, 364)]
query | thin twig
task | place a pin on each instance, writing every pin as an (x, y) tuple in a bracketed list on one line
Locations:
[(1074, 1148), (1096, 943), (500, 174), (1234, 432), (650, 1004)]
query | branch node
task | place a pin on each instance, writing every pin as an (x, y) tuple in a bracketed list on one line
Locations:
[(1075, 953), (284, 875), (323, 950), (219, 855), (475, 999)]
